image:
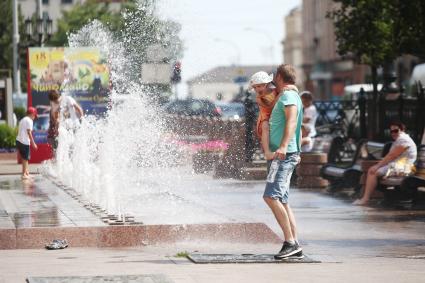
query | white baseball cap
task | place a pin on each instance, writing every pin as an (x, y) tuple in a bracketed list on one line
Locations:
[(260, 78)]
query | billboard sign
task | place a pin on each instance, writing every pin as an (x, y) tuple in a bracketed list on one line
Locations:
[(81, 73)]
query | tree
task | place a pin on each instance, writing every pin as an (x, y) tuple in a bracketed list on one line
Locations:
[(375, 32), (410, 27), (143, 29), (364, 29), (136, 25), (6, 33), (6, 38), (80, 15)]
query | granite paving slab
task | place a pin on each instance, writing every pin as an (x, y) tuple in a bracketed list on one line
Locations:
[(246, 258)]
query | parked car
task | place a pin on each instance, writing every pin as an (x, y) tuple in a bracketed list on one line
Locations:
[(351, 92), (235, 110), (192, 107)]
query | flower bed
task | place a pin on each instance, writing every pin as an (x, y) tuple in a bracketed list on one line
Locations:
[(207, 154)]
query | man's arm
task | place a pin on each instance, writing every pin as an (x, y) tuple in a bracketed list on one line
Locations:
[(55, 116), (32, 142), (291, 125), (78, 109)]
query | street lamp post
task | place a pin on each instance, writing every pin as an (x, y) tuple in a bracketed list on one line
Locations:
[(16, 71), (269, 38), (39, 31), (41, 28)]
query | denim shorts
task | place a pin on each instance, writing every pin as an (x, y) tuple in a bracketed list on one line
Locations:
[(279, 177)]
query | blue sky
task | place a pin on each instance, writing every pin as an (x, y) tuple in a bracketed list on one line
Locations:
[(225, 32)]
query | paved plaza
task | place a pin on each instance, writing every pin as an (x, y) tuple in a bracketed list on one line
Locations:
[(353, 244)]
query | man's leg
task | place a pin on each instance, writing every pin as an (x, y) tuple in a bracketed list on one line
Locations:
[(290, 247), (282, 217), (276, 196), (291, 217)]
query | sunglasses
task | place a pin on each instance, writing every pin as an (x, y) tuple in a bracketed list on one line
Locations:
[(395, 131)]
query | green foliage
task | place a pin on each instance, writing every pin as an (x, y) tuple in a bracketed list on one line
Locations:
[(136, 25), (143, 28), (6, 33), (364, 28), (6, 36), (80, 15), (20, 112), (182, 254), (376, 31), (410, 27), (7, 136)]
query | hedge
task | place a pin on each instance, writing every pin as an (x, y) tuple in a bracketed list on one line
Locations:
[(7, 136)]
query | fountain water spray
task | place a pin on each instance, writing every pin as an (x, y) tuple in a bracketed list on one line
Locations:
[(129, 151)]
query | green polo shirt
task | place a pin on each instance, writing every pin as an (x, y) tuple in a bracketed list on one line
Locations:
[(278, 121)]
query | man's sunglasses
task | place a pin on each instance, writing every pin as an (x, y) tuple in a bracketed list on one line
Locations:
[(395, 131)]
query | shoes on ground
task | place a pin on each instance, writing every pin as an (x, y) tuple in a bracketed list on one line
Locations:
[(57, 244)]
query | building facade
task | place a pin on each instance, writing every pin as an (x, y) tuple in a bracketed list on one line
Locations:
[(224, 83), (292, 44), (326, 73)]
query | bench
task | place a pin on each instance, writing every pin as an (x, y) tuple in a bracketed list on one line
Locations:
[(405, 191), (349, 176)]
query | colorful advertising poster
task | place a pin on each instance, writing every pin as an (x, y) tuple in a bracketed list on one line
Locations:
[(81, 73)]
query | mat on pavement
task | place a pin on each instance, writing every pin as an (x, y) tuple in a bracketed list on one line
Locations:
[(246, 258), (145, 278)]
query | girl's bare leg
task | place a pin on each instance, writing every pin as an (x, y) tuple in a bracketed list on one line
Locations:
[(265, 140)]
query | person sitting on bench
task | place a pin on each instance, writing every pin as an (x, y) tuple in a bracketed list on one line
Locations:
[(402, 153), (306, 140)]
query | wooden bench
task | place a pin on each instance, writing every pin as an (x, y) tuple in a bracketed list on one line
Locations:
[(349, 176), (404, 191)]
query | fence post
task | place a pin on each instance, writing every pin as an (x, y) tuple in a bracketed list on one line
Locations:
[(401, 104), (420, 113), (362, 108), (249, 126)]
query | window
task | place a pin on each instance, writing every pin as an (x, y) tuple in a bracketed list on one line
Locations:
[(66, 1), (45, 2)]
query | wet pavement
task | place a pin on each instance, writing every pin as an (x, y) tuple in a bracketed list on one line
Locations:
[(370, 244), (40, 203), (324, 222)]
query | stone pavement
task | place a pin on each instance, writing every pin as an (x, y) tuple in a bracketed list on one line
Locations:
[(16, 265), (10, 166), (366, 244), (34, 212)]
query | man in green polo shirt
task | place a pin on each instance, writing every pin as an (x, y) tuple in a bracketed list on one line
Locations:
[(285, 142)]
